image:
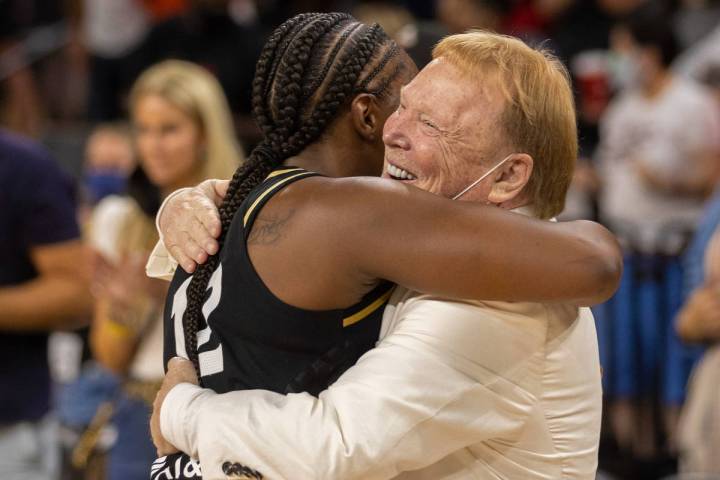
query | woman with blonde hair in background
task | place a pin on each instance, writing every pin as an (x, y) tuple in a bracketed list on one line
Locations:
[(183, 134)]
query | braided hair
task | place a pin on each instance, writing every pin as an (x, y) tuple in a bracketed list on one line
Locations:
[(310, 68)]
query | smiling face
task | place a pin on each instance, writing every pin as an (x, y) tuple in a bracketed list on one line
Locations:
[(445, 133), (169, 142)]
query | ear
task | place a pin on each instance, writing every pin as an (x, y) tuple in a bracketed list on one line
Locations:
[(511, 179), (366, 116)]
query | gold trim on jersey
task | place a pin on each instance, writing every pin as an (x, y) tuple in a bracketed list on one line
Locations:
[(367, 311), (271, 189), (280, 172)]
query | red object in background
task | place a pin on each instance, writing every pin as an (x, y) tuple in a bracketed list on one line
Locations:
[(591, 73), (162, 9), (524, 20)]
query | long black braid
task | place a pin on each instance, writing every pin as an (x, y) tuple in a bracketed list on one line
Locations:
[(312, 66)]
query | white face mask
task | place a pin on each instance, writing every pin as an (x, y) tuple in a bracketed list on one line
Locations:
[(483, 177)]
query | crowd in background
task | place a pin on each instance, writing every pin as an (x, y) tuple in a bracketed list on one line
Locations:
[(132, 99)]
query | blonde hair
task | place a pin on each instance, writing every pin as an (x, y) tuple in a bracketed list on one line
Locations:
[(539, 117), (195, 91)]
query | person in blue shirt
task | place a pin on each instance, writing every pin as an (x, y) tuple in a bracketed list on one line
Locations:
[(42, 289)]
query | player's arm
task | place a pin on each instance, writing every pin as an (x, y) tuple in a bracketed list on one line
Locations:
[(383, 229), (57, 298), (461, 249)]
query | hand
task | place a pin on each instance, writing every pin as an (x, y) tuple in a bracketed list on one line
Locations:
[(190, 223), (180, 370), (132, 297), (699, 319)]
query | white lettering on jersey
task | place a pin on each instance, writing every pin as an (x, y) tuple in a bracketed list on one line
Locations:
[(210, 362), (178, 310)]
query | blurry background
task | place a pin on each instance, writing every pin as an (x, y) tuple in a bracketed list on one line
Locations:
[(646, 74)]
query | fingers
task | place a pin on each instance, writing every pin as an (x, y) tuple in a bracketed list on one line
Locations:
[(205, 230), (205, 212), (190, 224), (179, 362), (187, 263), (215, 190), (191, 248), (162, 446), (221, 188), (181, 370), (166, 449)]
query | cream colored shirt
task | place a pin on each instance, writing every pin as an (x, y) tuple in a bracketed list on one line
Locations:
[(453, 390), (107, 219)]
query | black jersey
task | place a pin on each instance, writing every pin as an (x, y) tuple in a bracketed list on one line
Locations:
[(250, 339)]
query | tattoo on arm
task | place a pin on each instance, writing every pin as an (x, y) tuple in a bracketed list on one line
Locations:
[(268, 229)]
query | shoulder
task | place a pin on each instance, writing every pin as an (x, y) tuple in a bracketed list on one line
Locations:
[(29, 170), (353, 192), (687, 92), (25, 155), (329, 197)]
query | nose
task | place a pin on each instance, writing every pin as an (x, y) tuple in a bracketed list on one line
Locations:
[(394, 132)]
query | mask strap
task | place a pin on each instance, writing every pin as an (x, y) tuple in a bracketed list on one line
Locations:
[(483, 177)]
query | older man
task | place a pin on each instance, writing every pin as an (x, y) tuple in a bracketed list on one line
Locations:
[(454, 389)]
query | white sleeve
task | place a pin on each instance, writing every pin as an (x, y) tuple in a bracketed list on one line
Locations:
[(161, 264), (406, 404)]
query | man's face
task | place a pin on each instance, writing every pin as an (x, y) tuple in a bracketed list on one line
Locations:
[(445, 134)]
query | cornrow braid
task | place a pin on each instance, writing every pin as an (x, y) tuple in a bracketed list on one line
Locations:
[(295, 97), (392, 52), (330, 60)]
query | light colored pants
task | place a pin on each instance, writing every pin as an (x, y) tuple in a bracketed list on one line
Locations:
[(29, 451)]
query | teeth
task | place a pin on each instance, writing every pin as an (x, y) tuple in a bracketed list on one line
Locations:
[(399, 173)]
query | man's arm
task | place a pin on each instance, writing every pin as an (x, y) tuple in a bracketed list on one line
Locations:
[(57, 298), (429, 389)]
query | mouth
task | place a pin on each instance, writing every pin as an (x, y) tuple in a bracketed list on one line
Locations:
[(397, 173)]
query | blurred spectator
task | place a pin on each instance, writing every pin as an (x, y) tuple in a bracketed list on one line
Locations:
[(184, 135), (458, 16), (41, 289), (85, 390), (391, 17), (694, 19), (658, 160), (660, 139), (580, 32), (21, 108), (113, 67), (702, 59), (42, 64), (207, 35), (109, 160), (699, 322), (417, 37)]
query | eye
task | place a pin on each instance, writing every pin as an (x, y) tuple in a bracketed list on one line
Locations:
[(428, 123), (168, 129)]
